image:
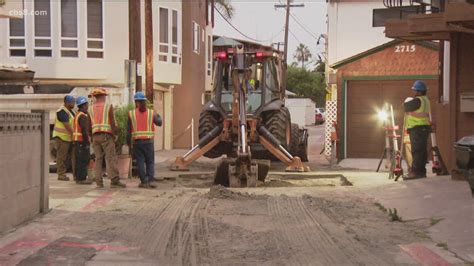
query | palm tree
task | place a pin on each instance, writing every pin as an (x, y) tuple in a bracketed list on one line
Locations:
[(225, 7), (302, 54)]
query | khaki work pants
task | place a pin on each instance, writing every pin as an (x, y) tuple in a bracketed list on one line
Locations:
[(63, 154), (104, 146)]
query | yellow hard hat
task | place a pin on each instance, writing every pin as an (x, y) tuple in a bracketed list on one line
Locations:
[(98, 91)]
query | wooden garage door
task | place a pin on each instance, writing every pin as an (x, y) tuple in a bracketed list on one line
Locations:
[(365, 134)]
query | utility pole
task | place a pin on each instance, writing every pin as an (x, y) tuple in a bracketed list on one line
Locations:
[(135, 37), (149, 50), (288, 6)]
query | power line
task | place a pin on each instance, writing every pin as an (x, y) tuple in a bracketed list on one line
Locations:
[(241, 33), (304, 27), (294, 36)]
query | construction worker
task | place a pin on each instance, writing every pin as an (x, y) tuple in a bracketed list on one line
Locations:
[(250, 81), (62, 134), (103, 128), (419, 127), (141, 131), (81, 140)]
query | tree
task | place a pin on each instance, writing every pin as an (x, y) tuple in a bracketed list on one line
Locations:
[(308, 84), (302, 54), (226, 8)]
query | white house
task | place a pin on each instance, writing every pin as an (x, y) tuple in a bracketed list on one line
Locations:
[(350, 30)]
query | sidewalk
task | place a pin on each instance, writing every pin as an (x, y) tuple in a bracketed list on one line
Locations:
[(448, 205)]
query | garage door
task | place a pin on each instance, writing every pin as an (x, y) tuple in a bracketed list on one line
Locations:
[(365, 133)]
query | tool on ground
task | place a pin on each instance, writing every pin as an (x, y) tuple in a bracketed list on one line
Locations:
[(439, 167), (400, 156), (247, 120)]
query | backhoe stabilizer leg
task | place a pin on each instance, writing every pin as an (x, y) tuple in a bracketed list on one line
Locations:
[(297, 165), (182, 162)]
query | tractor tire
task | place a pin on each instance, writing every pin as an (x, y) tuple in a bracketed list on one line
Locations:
[(295, 139), (303, 151), (207, 122), (279, 124)]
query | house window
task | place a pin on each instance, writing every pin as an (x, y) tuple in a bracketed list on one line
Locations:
[(196, 37), (42, 28), (174, 38), (209, 54), (95, 29), (164, 35), (446, 72), (17, 45), (69, 40)]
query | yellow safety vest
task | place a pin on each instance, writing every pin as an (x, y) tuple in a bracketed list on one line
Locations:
[(60, 130), (420, 117)]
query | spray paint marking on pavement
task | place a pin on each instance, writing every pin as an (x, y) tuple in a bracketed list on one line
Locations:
[(100, 201), (424, 255)]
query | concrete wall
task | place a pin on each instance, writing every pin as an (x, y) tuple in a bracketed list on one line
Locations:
[(23, 164), (350, 28)]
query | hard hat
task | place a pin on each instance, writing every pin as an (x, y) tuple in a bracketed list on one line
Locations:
[(98, 91), (419, 86), (139, 96), (409, 99), (81, 100), (69, 99)]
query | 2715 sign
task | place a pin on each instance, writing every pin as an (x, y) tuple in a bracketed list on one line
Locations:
[(405, 48)]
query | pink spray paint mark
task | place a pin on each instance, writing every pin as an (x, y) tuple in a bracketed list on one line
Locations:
[(424, 255), (101, 201)]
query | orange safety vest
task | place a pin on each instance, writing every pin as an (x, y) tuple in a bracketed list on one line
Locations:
[(142, 124), (99, 114), (77, 130)]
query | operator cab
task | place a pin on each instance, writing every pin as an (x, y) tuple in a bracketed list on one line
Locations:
[(261, 75)]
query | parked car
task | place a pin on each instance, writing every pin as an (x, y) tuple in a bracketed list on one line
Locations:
[(319, 116)]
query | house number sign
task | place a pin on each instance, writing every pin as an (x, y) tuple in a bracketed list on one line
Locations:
[(405, 48)]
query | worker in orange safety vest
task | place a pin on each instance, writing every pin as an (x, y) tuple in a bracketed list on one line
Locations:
[(141, 132), (103, 130)]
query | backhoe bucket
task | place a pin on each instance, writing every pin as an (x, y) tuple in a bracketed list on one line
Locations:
[(232, 173)]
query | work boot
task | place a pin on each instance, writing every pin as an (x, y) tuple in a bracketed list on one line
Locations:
[(152, 184), (412, 176), (83, 182), (144, 185), (63, 178), (117, 184)]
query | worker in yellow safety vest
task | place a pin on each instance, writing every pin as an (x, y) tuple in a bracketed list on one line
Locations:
[(141, 132), (250, 83), (103, 130), (62, 135), (419, 127)]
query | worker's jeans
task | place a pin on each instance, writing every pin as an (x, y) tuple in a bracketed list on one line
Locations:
[(144, 153), (104, 146), (82, 160), (419, 148), (63, 153)]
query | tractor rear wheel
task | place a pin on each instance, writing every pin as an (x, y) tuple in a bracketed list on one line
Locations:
[(207, 122), (295, 139), (278, 123)]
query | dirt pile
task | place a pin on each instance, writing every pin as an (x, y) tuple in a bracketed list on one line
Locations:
[(221, 192)]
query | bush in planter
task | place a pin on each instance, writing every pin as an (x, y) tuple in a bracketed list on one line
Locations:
[(121, 120)]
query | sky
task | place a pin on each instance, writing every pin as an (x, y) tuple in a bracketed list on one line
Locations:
[(260, 20)]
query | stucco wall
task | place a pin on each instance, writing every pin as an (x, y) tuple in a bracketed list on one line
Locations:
[(350, 29), (23, 164)]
